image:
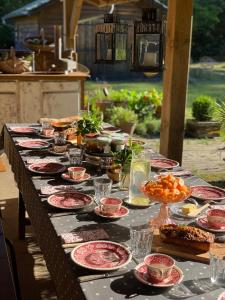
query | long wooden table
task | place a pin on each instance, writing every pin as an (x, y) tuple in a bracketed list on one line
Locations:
[(49, 223)]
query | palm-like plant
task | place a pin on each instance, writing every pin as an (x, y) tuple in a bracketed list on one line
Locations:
[(220, 113)]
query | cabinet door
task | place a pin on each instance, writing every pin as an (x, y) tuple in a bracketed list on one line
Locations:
[(8, 103), (60, 99), (30, 101)]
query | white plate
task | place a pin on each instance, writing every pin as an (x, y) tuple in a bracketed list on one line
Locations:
[(176, 209)]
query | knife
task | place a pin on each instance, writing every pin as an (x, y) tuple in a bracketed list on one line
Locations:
[(100, 276)]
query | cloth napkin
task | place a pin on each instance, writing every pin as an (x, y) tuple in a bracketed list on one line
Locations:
[(40, 160), (84, 236), (49, 190)]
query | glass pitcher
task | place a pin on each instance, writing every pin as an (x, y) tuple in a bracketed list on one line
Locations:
[(139, 173)]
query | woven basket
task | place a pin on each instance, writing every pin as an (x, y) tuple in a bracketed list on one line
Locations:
[(14, 66)]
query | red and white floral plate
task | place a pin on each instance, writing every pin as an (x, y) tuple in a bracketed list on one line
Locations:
[(47, 168), (206, 192), (101, 255), (221, 296), (23, 130), (203, 223), (124, 211), (33, 144), (163, 163), (66, 177), (70, 200), (140, 272)]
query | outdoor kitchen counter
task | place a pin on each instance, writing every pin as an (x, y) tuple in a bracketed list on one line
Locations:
[(30, 96)]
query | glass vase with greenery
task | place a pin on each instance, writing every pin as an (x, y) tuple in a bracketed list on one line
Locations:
[(123, 159)]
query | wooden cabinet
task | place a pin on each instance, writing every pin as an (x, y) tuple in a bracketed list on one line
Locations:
[(28, 100)]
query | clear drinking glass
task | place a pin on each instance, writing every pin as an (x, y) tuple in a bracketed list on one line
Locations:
[(217, 270), (75, 156), (141, 237), (102, 187), (47, 129), (139, 173)]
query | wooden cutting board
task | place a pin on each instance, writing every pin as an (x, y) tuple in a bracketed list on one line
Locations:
[(179, 251)]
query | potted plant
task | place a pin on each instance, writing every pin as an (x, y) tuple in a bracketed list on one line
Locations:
[(202, 126), (123, 118), (89, 124)]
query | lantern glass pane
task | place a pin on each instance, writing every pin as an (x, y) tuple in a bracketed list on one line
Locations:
[(120, 46), (148, 49), (104, 43)]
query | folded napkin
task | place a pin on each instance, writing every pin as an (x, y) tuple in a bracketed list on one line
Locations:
[(222, 206), (49, 190), (41, 160), (84, 236)]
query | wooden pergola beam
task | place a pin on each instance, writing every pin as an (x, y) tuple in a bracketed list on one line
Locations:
[(67, 8), (75, 16), (178, 44)]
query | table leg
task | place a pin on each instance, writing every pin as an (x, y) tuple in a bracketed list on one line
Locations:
[(21, 223)]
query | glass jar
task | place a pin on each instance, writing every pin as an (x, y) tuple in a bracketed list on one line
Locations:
[(91, 144), (104, 144), (139, 173)]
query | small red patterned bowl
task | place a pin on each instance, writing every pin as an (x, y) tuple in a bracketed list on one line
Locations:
[(216, 218)]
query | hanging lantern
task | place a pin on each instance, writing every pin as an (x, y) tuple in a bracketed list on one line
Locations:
[(149, 41), (111, 40)]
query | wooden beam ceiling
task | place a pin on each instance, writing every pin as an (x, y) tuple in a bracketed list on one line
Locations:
[(175, 81)]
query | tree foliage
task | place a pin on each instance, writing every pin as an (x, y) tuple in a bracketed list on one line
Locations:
[(6, 6)]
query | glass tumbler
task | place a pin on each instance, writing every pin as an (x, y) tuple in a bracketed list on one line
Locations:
[(141, 237), (217, 270), (102, 188), (75, 156)]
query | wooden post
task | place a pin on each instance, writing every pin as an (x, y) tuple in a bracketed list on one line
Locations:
[(75, 16), (67, 8), (179, 29)]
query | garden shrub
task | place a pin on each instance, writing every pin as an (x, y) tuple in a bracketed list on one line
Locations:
[(120, 114), (203, 108)]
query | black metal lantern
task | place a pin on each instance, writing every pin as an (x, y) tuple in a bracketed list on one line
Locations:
[(111, 40), (149, 42)]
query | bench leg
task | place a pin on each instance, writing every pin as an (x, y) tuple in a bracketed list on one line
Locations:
[(21, 218)]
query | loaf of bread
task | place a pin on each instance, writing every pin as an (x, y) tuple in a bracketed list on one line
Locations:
[(186, 236)]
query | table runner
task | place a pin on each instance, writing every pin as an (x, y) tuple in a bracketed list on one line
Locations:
[(49, 223)]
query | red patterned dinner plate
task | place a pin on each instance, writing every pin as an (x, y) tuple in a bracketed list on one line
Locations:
[(101, 255), (221, 296), (33, 144), (203, 223), (140, 272), (47, 168), (124, 211), (70, 200), (206, 192), (163, 163), (23, 130), (66, 177)]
